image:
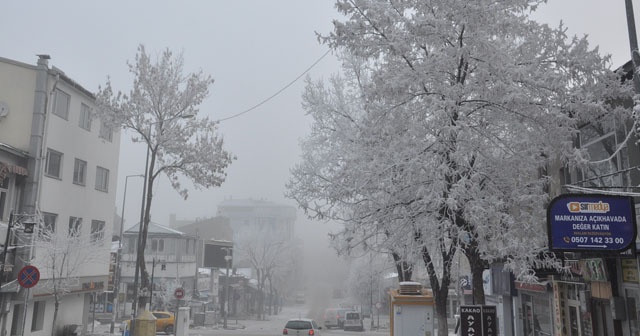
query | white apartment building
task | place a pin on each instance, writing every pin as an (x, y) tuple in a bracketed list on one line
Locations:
[(60, 170)]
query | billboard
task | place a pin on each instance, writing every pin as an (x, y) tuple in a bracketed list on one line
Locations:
[(214, 253), (591, 222)]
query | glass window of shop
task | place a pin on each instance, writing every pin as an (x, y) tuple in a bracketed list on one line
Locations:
[(633, 302), (536, 310)]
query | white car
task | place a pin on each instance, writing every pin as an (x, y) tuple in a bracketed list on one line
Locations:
[(301, 326), (353, 321)]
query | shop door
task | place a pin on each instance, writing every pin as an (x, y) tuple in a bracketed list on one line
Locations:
[(528, 320), (602, 322), (574, 322)]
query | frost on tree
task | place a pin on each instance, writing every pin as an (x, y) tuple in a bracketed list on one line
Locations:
[(161, 111), (439, 135)]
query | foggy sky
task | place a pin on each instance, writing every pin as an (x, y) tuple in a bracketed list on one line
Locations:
[(252, 49)]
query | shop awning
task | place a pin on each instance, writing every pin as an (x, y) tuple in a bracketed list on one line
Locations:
[(6, 168)]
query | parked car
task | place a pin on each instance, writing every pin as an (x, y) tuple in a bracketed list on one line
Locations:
[(353, 321), (334, 317), (301, 326), (165, 321)]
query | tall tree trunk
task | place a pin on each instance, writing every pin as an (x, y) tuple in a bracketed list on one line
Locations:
[(440, 289), (54, 322), (144, 275), (477, 267), (405, 269)]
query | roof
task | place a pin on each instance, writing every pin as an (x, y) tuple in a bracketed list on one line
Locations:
[(154, 229), (251, 203)]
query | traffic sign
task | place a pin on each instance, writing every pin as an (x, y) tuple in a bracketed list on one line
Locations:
[(178, 293), (28, 276)]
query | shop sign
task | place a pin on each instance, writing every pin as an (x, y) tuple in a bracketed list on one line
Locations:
[(629, 270), (471, 320), (594, 269), (530, 287), (478, 321), (590, 222)]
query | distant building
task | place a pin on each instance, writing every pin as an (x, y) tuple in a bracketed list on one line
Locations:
[(206, 230), (259, 215), (174, 255)]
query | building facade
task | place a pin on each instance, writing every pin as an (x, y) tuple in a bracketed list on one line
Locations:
[(60, 171), (248, 215), (170, 259)]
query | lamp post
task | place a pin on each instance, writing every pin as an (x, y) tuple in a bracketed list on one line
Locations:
[(226, 311), (143, 219), (116, 285)]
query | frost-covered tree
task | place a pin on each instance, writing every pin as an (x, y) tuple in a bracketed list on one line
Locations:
[(366, 278), (61, 255), (444, 142), (161, 112), (267, 253)]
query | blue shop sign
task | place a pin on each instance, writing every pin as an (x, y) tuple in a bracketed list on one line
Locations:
[(579, 222)]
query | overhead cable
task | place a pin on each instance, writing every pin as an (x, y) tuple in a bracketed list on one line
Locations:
[(279, 91)]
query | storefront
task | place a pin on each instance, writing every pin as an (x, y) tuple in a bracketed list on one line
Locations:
[(534, 314), (631, 288)]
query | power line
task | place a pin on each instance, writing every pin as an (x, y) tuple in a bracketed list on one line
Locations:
[(279, 91)]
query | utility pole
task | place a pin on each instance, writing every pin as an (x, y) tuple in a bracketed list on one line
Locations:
[(633, 46), (227, 258)]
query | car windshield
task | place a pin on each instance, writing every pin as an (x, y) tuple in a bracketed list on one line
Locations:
[(353, 316), (299, 325)]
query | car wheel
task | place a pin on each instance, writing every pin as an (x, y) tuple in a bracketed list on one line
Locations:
[(168, 329)]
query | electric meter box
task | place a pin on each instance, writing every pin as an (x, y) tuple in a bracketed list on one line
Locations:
[(412, 312)]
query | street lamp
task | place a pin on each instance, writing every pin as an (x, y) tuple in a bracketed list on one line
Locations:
[(116, 285), (140, 247), (227, 258)]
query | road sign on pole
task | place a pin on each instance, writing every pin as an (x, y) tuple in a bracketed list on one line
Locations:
[(28, 276), (178, 293)]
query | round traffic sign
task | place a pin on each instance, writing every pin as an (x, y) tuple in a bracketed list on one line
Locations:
[(178, 293), (28, 276)]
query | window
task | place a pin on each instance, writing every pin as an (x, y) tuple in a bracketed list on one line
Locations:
[(131, 245), (106, 132), (37, 320), (157, 245), (75, 226), (97, 231), (85, 117), (609, 158), (4, 195), (102, 179), (61, 104), (53, 166), (79, 172), (49, 225)]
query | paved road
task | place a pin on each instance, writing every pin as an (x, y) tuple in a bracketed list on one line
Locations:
[(275, 324)]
